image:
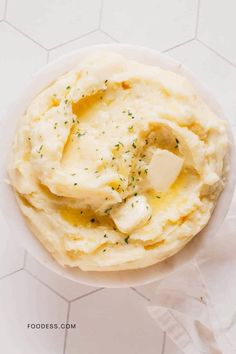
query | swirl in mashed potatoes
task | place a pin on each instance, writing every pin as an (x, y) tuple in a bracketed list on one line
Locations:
[(117, 164)]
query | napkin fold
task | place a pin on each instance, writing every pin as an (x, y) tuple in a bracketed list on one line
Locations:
[(196, 306)]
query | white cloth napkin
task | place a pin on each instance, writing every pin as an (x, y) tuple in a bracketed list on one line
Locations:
[(196, 306)]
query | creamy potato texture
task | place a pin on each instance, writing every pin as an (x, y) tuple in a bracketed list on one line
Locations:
[(117, 165)]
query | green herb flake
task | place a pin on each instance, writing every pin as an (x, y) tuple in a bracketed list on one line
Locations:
[(177, 143), (107, 211), (40, 149), (130, 113), (68, 88), (130, 129), (79, 134), (127, 239)]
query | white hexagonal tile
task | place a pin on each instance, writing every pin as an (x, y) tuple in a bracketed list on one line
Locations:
[(11, 255), (96, 37), (171, 348), (24, 301), (56, 21), (156, 23), (113, 321), (217, 26), (66, 288), (2, 8), (212, 70), (19, 59)]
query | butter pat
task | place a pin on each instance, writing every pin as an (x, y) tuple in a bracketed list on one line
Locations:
[(131, 214), (163, 170)]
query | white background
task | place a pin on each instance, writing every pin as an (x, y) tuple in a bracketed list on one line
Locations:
[(200, 34)]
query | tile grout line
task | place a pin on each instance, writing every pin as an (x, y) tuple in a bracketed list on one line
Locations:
[(66, 330), (87, 294), (140, 294), (5, 10), (178, 45), (108, 35), (216, 53), (100, 14), (24, 34), (72, 40), (163, 349), (11, 273), (46, 285), (197, 17)]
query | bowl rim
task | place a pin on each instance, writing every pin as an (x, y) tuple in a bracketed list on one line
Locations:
[(117, 279)]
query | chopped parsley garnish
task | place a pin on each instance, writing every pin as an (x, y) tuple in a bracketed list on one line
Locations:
[(105, 235), (127, 239), (40, 149), (107, 211), (106, 81), (68, 88), (177, 143), (80, 134), (118, 145), (130, 129), (130, 114), (157, 196), (134, 145), (75, 184)]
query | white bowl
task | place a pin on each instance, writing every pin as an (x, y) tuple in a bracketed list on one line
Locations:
[(19, 230)]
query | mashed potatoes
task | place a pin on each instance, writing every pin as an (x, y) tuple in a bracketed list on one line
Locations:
[(117, 165)]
